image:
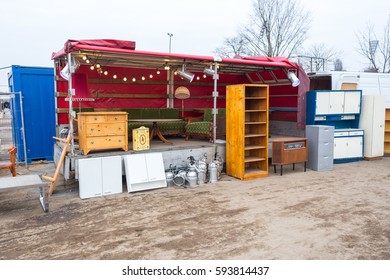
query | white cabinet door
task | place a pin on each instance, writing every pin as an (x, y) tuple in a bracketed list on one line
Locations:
[(322, 103), (154, 164), (340, 148), (336, 102), (112, 175), (352, 102), (136, 171), (378, 126), (90, 177), (355, 147)]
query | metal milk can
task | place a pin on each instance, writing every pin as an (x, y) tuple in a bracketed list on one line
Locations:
[(201, 168), (180, 178), (192, 177), (213, 177)]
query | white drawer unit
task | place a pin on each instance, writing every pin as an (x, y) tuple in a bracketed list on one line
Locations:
[(348, 145), (100, 176), (144, 171)]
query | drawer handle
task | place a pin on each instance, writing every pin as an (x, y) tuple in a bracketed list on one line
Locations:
[(92, 142)]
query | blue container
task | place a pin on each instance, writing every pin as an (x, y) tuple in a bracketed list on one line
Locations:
[(36, 85)]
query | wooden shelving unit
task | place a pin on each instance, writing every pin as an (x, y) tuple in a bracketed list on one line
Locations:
[(247, 131), (387, 132)]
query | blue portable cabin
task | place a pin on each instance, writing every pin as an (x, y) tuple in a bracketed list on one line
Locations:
[(36, 86)]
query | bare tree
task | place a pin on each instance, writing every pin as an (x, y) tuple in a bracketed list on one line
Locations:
[(277, 28), (369, 45), (232, 47)]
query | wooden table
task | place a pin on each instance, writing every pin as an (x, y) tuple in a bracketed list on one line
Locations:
[(155, 130), (287, 150)]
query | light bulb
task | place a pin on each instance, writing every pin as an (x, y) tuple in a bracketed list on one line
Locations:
[(158, 72), (115, 76), (84, 57), (198, 78), (204, 75), (151, 76), (98, 65), (143, 78), (105, 72), (87, 60), (125, 79), (133, 79), (92, 67)]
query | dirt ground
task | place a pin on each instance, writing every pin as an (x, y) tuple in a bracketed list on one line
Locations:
[(342, 214)]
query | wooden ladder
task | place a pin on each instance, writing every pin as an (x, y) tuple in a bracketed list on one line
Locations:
[(54, 179)]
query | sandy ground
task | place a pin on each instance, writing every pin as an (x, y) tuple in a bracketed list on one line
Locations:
[(343, 214)]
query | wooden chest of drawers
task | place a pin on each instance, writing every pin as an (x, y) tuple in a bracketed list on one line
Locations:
[(102, 131)]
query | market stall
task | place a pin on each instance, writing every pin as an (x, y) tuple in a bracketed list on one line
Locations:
[(111, 75)]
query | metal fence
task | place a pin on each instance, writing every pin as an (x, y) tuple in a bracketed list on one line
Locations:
[(6, 140)]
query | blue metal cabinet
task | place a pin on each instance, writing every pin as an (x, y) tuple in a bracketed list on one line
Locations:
[(338, 108), (36, 86)]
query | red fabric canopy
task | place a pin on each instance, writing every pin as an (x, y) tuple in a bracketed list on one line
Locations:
[(118, 46)]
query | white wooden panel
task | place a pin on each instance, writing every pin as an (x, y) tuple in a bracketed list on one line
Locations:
[(322, 103), (352, 102), (112, 175), (90, 177), (336, 102)]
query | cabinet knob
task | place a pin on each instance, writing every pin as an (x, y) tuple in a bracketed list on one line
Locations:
[(92, 142)]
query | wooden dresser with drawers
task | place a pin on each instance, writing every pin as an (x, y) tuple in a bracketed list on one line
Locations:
[(102, 131)]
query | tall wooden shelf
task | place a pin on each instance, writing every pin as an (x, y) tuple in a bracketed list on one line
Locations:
[(387, 132), (247, 131)]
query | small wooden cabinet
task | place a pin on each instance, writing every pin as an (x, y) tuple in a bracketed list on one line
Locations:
[(247, 131), (387, 131), (287, 150), (102, 130)]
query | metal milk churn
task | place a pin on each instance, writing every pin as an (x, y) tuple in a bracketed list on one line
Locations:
[(213, 177), (192, 178), (169, 177), (201, 168), (180, 178), (218, 162)]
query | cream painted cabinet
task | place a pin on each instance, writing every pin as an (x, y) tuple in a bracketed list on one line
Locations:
[(144, 171), (100, 176)]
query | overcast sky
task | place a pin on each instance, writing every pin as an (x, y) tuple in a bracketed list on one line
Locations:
[(32, 30)]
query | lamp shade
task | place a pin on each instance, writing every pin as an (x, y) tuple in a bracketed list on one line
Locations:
[(186, 75), (294, 79), (64, 73), (182, 93)]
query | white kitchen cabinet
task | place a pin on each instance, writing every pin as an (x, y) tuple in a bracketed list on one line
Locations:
[(348, 145), (100, 176), (144, 171), (338, 102), (372, 120)]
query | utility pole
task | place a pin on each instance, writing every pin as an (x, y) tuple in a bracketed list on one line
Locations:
[(170, 39)]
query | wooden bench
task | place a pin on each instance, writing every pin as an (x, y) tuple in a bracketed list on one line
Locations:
[(27, 181)]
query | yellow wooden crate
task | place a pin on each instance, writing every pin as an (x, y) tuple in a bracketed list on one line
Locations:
[(141, 139)]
